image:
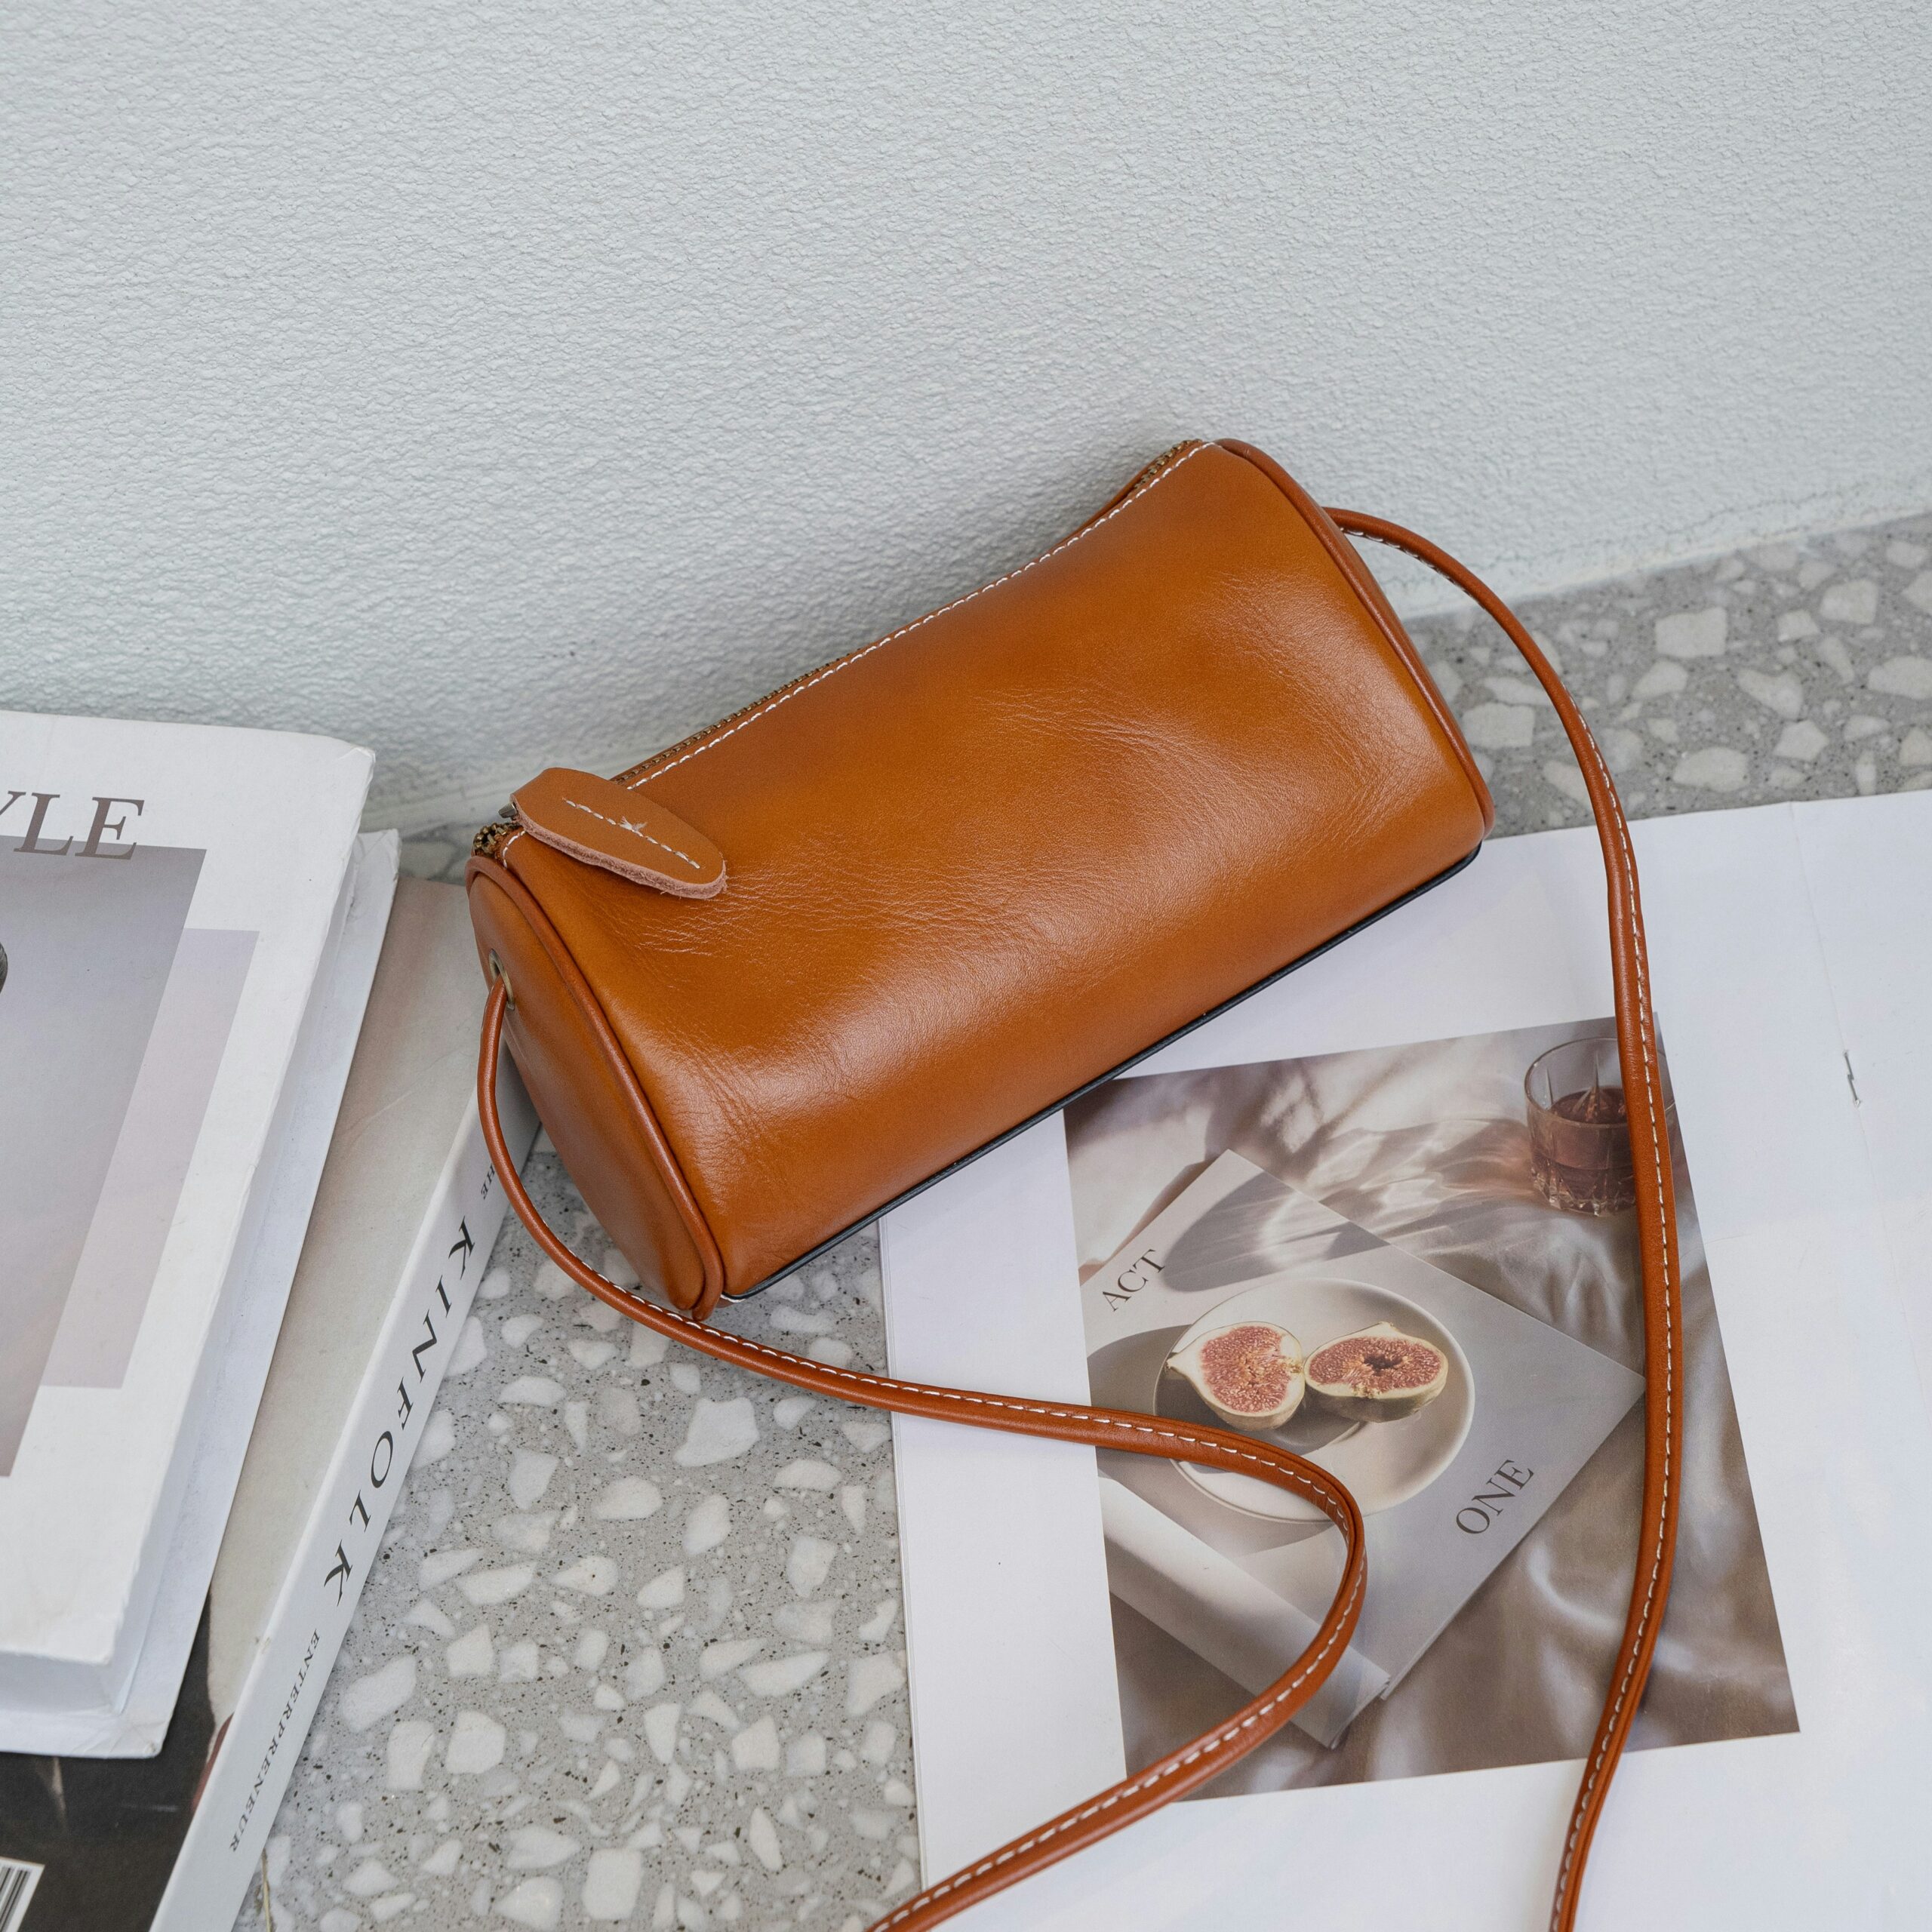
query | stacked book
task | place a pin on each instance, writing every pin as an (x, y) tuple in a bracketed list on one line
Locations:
[(243, 1205)]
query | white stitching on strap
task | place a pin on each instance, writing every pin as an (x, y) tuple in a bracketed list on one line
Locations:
[(729, 1344), (637, 830), (1627, 872), (1614, 1714), (1334, 1500), (724, 1346), (1206, 1747), (906, 630)]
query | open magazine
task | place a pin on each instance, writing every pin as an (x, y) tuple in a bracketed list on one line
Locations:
[(1401, 1162)]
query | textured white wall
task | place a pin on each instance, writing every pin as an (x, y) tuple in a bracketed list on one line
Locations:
[(499, 385)]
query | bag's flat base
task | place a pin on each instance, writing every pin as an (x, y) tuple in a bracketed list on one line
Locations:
[(1100, 1080)]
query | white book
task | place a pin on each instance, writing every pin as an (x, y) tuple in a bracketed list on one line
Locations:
[(168, 896), (1781, 1759), (264, 1264), (404, 1223)]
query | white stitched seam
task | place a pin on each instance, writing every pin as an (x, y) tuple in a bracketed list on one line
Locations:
[(708, 1341), (1205, 1748), (906, 630), (1207, 1745), (1332, 1499), (725, 1347), (1614, 1715), (638, 832), (728, 1346)]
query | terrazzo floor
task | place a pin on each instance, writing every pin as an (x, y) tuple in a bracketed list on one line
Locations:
[(633, 1654)]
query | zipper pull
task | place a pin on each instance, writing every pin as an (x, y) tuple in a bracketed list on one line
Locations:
[(599, 822)]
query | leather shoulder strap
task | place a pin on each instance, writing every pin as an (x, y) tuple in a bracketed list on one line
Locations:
[(1182, 1770), (1656, 1219), (1147, 1790)]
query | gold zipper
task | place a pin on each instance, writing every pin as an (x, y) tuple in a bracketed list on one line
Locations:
[(485, 844), (1165, 460)]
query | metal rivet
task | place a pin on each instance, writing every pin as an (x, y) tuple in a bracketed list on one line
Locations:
[(496, 973)]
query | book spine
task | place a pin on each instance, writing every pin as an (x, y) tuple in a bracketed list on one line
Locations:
[(256, 1754)]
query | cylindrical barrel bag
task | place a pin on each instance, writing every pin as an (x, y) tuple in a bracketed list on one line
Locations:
[(774, 979)]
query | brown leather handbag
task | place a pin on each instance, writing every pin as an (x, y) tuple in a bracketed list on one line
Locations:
[(772, 981)]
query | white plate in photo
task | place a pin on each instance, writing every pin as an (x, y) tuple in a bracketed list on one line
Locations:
[(1382, 1463)]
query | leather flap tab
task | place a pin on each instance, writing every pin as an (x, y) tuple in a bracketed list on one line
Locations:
[(624, 831)]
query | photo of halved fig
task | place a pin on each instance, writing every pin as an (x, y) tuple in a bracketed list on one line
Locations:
[(1377, 1374), (1250, 1372), (1257, 1325)]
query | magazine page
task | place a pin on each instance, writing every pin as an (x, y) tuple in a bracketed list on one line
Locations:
[(1374, 1137), (1517, 1277), (170, 892)]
